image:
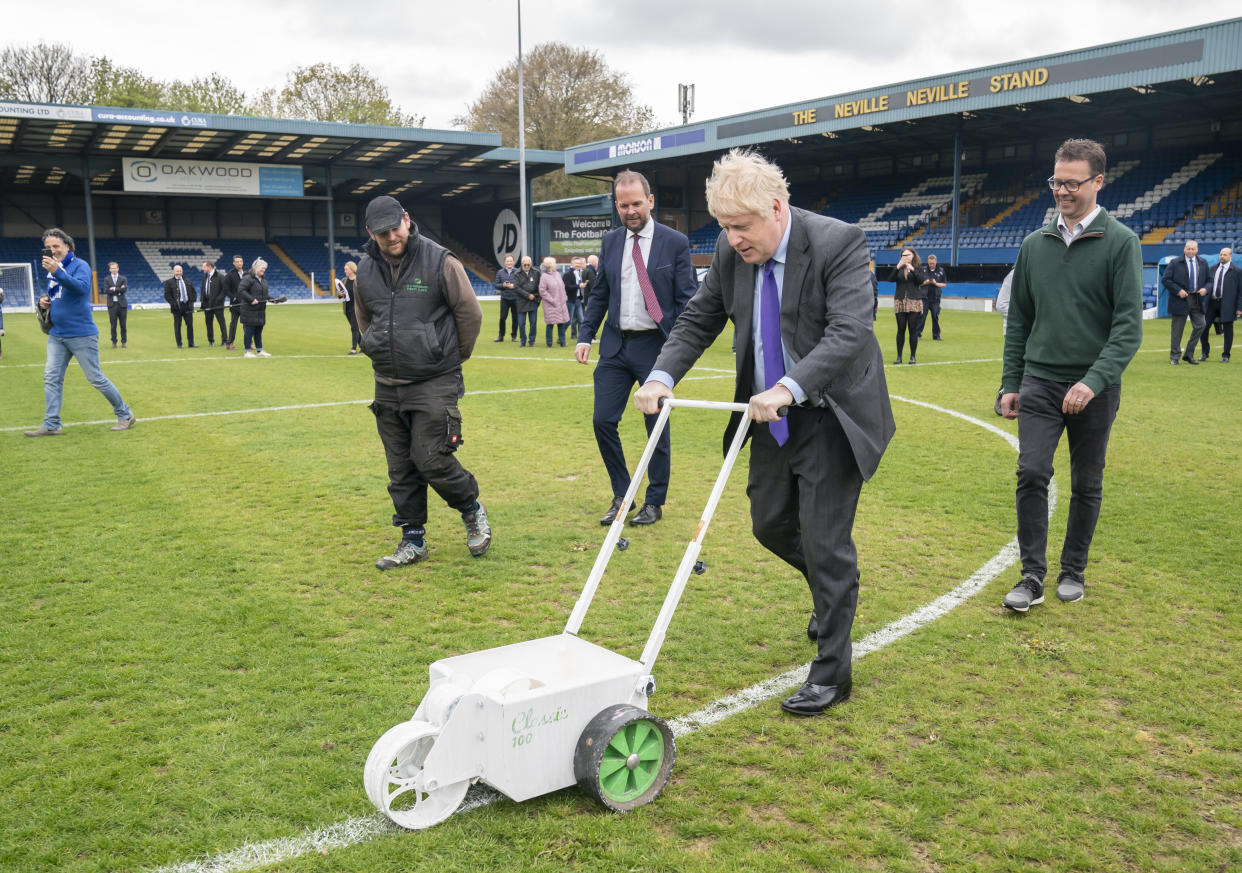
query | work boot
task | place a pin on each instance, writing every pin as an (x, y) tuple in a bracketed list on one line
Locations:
[(478, 532), (409, 551)]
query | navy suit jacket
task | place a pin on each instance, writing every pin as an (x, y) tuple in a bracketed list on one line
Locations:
[(1177, 278), (672, 280), (1231, 292)]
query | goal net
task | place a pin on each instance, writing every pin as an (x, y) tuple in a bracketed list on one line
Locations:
[(17, 283)]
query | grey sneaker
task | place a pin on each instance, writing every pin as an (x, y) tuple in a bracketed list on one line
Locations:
[(1070, 586), (408, 552), (1027, 593), (123, 423), (478, 532)]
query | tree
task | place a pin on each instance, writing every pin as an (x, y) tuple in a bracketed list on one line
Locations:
[(213, 94), (571, 97), (42, 73), (110, 85), (324, 92)]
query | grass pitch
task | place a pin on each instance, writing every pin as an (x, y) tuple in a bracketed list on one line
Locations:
[(197, 653)]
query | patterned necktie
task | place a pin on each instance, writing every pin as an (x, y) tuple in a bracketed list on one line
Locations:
[(1220, 281), (770, 332), (181, 285), (1192, 275), (644, 282)]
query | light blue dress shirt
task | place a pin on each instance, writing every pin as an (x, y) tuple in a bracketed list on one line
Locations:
[(778, 272)]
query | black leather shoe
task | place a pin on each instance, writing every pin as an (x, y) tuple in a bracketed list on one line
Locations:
[(1189, 360), (649, 514), (812, 629), (1224, 359), (1203, 357), (813, 699), (611, 515)]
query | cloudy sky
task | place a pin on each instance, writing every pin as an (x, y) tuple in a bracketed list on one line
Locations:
[(436, 57)]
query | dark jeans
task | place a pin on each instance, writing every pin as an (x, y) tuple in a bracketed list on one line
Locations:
[(117, 312), (1040, 424), (575, 317), (932, 307), (420, 427), (252, 333), (528, 317), (212, 315), (507, 306), (560, 334)]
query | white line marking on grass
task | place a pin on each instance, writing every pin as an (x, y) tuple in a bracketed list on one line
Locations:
[(296, 406), (253, 856)]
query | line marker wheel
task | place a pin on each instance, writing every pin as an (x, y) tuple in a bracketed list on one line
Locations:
[(393, 778), (624, 757)]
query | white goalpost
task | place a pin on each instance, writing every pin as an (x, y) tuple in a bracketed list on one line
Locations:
[(17, 283)]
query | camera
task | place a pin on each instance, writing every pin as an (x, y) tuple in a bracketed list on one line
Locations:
[(47, 253)]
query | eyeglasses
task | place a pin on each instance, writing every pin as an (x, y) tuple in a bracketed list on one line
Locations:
[(1070, 185)]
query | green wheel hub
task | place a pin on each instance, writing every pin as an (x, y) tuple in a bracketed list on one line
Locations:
[(624, 757), (631, 762)]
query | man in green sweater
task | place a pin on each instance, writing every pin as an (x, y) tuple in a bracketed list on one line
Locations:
[(1075, 321)]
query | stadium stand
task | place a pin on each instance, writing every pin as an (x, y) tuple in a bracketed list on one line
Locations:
[(148, 263), (1166, 197)]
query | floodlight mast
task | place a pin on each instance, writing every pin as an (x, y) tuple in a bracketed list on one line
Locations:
[(521, 141)]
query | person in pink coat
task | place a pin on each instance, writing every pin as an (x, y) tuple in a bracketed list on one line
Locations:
[(552, 295)]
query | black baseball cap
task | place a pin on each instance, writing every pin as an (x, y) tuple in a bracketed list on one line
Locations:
[(384, 213)]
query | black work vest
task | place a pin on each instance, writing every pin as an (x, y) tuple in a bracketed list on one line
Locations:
[(413, 334)]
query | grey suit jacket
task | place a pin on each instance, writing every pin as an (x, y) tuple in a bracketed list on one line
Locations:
[(826, 324)]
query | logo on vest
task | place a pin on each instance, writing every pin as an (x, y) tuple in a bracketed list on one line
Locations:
[(418, 286)]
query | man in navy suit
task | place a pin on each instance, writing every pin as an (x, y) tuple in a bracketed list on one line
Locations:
[(1186, 280), (1224, 298), (645, 280)]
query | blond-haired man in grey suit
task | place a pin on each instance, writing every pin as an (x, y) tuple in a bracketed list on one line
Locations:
[(795, 285)]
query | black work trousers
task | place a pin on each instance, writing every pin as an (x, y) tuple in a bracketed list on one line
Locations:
[(420, 427)]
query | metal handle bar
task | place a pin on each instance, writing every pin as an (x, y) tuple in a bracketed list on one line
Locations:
[(656, 639)]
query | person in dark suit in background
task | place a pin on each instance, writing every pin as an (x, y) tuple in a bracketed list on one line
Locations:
[(181, 295), (232, 281), (644, 282), (211, 302), (504, 283), (114, 286), (795, 285), (1224, 295), (575, 293), (1186, 279), (526, 305), (934, 282)]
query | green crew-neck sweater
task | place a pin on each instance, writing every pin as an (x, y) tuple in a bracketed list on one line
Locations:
[(1076, 311)]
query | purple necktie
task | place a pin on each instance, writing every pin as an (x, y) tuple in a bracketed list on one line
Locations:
[(770, 332)]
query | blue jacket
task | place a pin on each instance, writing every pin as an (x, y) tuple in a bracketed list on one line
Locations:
[(672, 280), (70, 290)]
